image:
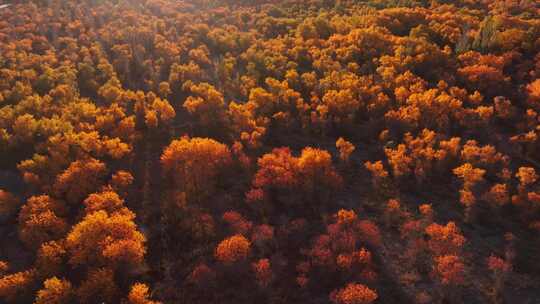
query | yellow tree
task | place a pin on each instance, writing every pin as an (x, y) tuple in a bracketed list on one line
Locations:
[(101, 239), (379, 175), (139, 294), (445, 240), (51, 259), (533, 94), (120, 182), (354, 293), (193, 166), (55, 291), (345, 149), (16, 287), (316, 173), (41, 220), (81, 178), (207, 106), (108, 201), (313, 173), (470, 176), (233, 249), (340, 106)]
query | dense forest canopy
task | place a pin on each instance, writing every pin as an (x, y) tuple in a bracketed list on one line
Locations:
[(246, 151)]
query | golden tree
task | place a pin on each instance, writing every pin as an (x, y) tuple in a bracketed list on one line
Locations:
[(399, 161), (340, 106), (51, 259), (379, 175), (313, 173), (497, 195), (471, 177), (101, 239), (207, 105), (345, 149), (445, 240), (316, 173), (354, 293), (194, 164), (108, 201), (276, 170), (55, 291), (81, 178), (533, 93), (41, 220), (140, 294), (17, 287), (449, 270), (526, 176), (120, 181), (233, 249), (525, 197)]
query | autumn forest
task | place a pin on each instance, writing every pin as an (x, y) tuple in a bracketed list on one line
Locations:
[(250, 151)]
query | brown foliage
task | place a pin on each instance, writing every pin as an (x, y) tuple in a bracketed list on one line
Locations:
[(99, 286), (9, 204)]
